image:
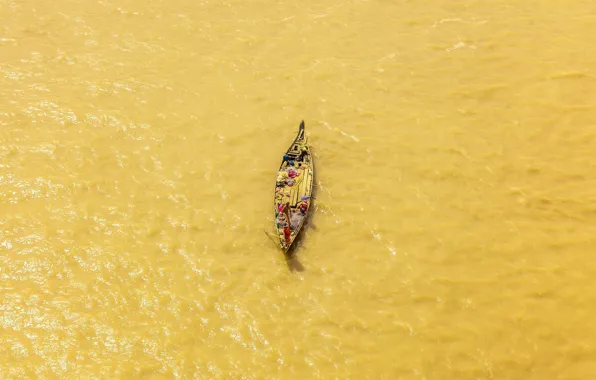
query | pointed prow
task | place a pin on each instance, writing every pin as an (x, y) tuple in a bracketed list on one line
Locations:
[(301, 135)]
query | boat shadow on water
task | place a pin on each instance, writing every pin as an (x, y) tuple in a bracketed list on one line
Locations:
[(291, 255), (294, 265)]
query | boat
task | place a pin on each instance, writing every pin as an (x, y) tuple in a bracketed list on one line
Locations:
[(293, 190)]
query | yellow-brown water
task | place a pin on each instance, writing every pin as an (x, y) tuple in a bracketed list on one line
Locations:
[(453, 231)]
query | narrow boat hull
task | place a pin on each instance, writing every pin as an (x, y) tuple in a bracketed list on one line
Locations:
[(293, 190)]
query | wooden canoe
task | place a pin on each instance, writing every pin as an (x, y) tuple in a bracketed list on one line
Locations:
[(293, 190)]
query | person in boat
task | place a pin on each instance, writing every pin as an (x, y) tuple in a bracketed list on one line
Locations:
[(303, 205), (284, 209), (285, 226), (303, 152), (283, 221)]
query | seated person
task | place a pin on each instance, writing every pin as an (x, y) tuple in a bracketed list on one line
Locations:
[(303, 152), (303, 205)]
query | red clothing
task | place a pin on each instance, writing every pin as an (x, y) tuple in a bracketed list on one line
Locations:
[(303, 206)]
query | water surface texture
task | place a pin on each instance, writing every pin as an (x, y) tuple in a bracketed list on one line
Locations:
[(454, 219)]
